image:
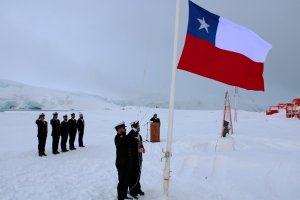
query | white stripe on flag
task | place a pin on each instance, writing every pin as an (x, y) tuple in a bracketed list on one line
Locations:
[(233, 37)]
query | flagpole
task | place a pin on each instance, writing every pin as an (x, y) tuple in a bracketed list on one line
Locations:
[(171, 106)]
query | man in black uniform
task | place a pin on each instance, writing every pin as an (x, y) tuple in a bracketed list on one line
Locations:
[(64, 131), (72, 131), (80, 127), (137, 149), (122, 160), (42, 133), (55, 133), (155, 118)]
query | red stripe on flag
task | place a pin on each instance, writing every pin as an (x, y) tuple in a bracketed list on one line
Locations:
[(203, 58)]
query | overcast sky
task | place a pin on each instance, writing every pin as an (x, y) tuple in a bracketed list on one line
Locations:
[(125, 47)]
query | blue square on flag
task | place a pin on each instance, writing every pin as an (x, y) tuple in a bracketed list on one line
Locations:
[(202, 24)]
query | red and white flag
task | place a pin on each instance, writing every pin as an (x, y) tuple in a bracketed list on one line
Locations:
[(221, 50)]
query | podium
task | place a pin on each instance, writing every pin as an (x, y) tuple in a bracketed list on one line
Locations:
[(154, 132)]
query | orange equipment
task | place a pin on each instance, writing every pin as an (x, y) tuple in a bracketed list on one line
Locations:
[(291, 109), (272, 110)]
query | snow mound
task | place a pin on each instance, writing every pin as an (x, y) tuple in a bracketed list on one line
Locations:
[(225, 144)]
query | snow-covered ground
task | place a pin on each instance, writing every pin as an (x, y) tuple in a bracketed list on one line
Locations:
[(264, 165)]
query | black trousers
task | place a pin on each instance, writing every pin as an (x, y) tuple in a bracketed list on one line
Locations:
[(135, 176), (72, 136), (42, 144), (80, 137), (123, 174), (63, 142), (55, 142)]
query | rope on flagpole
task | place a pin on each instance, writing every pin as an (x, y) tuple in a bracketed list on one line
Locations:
[(141, 89)]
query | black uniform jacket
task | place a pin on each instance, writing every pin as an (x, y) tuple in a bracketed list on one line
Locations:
[(72, 125), (80, 124), (122, 150), (55, 126), (135, 143), (155, 119), (42, 128), (64, 127)]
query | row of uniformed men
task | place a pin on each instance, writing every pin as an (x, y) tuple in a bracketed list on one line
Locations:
[(66, 128)]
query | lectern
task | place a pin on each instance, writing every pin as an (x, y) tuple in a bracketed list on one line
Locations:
[(154, 132)]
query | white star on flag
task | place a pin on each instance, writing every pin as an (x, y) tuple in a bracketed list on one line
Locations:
[(203, 24)]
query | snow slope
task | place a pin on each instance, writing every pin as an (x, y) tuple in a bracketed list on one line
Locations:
[(264, 166), (18, 96)]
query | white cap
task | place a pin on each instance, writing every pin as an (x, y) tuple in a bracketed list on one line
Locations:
[(134, 122), (120, 124)]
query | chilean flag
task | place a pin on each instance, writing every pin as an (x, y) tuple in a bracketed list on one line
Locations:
[(223, 51)]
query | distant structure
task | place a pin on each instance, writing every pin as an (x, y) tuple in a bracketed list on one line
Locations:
[(292, 110), (227, 127)]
